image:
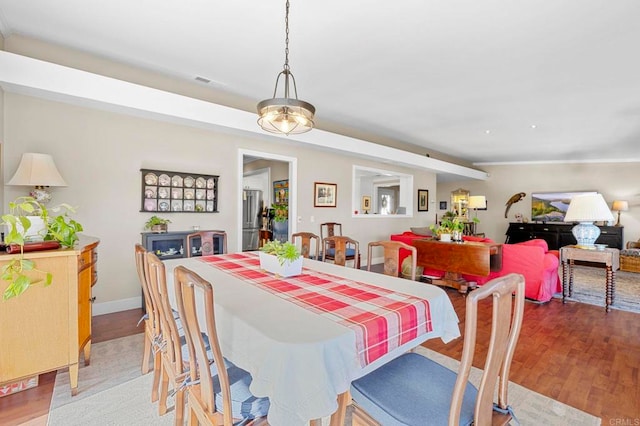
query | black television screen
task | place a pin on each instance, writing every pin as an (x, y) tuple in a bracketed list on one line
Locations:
[(552, 206)]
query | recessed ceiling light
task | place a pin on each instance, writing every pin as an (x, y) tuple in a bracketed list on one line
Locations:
[(533, 126), (487, 131)]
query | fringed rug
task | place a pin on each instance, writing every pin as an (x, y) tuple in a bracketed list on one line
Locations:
[(589, 285), (113, 392)]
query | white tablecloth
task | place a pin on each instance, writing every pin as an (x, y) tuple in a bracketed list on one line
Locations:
[(298, 359)]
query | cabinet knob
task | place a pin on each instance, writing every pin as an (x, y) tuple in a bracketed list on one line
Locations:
[(93, 299)]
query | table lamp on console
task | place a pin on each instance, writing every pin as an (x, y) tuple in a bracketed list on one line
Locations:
[(40, 172), (587, 209), (620, 206)]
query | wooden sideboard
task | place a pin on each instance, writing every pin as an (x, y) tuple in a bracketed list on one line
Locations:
[(559, 234), (45, 328)]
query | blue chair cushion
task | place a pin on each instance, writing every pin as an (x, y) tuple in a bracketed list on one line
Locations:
[(349, 252), (244, 404), (411, 390), (184, 348)]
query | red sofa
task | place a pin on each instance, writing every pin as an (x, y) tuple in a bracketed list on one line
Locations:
[(530, 258)]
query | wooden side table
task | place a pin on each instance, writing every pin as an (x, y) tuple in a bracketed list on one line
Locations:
[(609, 256)]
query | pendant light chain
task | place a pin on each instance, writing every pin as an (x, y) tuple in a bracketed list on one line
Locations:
[(286, 38)]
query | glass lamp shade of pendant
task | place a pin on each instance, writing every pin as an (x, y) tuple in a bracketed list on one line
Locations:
[(285, 116), (586, 234)]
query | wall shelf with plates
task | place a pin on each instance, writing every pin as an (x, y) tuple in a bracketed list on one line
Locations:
[(178, 192)]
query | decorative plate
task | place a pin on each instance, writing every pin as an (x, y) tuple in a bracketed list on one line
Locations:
[(164, 180), (188, 206), (200, 182), (209, 206), (189, 194), (150, 179), (176, 193), (163, 192), (163, 206), (209, 194), (210, 183), (149, 193), (176, 181), (188, 182), (200, 194), (176, 205), (150, 205)]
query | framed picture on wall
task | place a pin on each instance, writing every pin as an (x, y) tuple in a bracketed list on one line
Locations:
[(366, 204), (443, 205), (423, 200), (325, 194), (281, 191)]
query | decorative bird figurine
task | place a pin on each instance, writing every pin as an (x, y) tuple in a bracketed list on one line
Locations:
[(514, 199)]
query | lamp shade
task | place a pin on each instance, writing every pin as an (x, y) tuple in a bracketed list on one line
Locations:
[(477, 202), (37, 170), (588, 208), (620, 206)]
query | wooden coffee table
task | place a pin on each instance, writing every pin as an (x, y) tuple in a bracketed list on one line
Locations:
[(456, 258), (609, 256)]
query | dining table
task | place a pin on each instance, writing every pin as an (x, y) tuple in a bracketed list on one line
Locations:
[(304, 339)]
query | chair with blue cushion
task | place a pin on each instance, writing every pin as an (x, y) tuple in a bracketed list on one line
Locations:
[(174, 366), (216, 396), (306, 239), (340, 249), (413, 390), (151, 323)]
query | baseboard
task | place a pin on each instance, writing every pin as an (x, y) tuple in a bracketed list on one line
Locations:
[(116, 306)]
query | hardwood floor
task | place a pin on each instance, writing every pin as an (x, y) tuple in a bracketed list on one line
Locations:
[(574, 353)]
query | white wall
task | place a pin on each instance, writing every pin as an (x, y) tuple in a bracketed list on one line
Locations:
[(100, 155), (613, 181)]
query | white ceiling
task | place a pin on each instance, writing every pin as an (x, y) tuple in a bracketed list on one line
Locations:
[(485, 81)]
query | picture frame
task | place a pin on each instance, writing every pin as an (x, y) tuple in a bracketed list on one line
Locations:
[(281, 191), (366, 204), (423, 200), (443, 205), (325, 194)]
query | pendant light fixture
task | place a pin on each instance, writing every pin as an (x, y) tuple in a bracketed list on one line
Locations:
[(286, 115)]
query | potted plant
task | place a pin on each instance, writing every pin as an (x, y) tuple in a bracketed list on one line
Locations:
[(280, 221), (22, 213), (281, 258), (157, 224)]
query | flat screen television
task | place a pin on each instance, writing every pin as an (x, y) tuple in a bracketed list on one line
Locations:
[(552, 206)]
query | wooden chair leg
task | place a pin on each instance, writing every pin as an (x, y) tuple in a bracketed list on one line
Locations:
[(164, 393), (146, 355), (179, 407), (156, 376), (192, 419)]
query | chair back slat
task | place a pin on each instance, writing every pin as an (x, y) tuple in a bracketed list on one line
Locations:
[(153, 320), (207, 242), (506, 321), (306, 239), (392, 264), (190, 289)]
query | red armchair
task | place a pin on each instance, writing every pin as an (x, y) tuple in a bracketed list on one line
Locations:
[(530, 258)]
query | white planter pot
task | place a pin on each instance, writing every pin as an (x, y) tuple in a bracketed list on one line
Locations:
[(270, 263), (36, 232), (445, 237)]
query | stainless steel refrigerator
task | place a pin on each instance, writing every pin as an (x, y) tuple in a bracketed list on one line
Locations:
[(251, 215)]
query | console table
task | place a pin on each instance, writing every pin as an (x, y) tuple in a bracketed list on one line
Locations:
[(609, 256), (559, 234), (471, 258)]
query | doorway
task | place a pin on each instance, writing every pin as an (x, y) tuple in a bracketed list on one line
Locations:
[(291, 166)]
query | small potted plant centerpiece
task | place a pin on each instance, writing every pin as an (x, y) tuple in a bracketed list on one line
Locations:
[(157, 224), (283, 259)]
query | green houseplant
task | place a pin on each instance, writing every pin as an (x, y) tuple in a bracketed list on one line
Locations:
[(281, 258), (280, 212), (22, 212), (157, 224)]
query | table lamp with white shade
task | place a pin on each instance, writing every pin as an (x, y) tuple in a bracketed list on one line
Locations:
[(39, 171), (620, 206), (477, 202), (587, 209)]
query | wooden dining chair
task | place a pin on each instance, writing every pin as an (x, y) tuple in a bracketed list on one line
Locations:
[(218, 394), (340, 249), (174, 369), (392, 257), (207, 242), (306, 239), (151, 323), (414, 390)]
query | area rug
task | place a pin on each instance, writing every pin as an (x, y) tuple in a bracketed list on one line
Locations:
[(589, 285), (121, 395)]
